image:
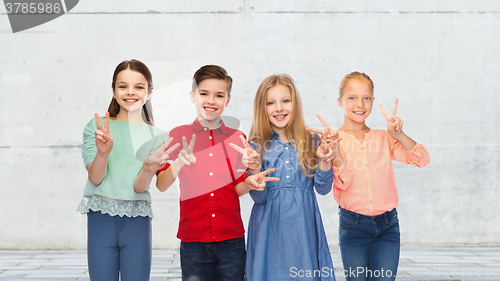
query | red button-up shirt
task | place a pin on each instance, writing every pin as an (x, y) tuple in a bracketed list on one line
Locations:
[(209, 204)]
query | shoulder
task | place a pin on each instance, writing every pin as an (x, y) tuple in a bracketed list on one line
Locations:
[(231, 134), (156, 130), (92, 123), (183, 129), (90, 128), (237, 133)]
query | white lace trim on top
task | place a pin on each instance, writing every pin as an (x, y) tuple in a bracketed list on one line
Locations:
[(132, 208)]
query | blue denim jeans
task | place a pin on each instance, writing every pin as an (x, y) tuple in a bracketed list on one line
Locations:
[(118, 246), (213, 261), (369, 245)]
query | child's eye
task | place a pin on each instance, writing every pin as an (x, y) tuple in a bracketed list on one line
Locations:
[(269, 103), (121, 87), (285, 101), (220, 96), (203, 94), (139, 87), (352, 98), (368, 98)]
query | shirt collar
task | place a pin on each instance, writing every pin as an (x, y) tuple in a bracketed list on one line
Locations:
[(198, 127)]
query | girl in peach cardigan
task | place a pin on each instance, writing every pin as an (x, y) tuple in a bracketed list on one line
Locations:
[(364, 184)]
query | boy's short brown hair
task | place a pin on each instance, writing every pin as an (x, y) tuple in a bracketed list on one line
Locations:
[(212, 71)]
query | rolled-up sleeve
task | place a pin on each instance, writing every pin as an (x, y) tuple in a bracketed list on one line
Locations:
[(342, 177), (418, 156)]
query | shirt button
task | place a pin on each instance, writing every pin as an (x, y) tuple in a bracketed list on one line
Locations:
[(368, 182), (213, 215), (205, 129), (366, 165), (210, 137), (210, 154), (211, 174), (371, 202), (287, 176), (362, 148), (286, 148), (287, 162), (211, 194)]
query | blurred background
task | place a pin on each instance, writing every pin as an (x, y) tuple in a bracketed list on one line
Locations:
[(439, 58)]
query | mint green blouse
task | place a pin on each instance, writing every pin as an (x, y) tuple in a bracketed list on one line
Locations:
[(115, 195)]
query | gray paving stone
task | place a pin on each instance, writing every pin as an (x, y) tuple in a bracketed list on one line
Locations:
[(416, 263)]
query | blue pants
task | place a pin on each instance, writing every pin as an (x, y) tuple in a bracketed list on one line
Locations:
[(214, 261), (118, 245), (369, 245)]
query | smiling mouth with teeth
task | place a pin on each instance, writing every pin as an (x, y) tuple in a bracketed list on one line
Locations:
[(210, 109), (280, 116)]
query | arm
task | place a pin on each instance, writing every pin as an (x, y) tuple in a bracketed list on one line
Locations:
[(323, 181), (97, 169), (414, 154), (250, 159), (343, 177), (166, 178), (417, 155), (152, 164), (241, 189), (104, 143), (256, 184), (405, 141), (326, 152)]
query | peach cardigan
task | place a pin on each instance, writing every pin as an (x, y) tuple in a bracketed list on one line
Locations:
[(365, 183)]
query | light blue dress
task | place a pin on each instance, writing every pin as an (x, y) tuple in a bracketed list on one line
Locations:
[(286, 238)]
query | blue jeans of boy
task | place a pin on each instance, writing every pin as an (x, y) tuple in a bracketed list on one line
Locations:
[(213, 261), (369, 245), (118, 246)]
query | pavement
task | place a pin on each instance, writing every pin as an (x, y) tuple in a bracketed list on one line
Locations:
[(416, 263)]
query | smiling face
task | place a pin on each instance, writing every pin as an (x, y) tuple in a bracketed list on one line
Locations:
[(131, 91), (279, 107), (357, 101), (210, 98)]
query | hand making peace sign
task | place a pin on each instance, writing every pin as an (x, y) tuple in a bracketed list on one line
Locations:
[(258, 181), (103, 138), (186, 155), (329, 141), (251, 159), (394, 124), (158, 159)]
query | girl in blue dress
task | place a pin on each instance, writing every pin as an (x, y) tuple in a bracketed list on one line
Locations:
[(286, 238)]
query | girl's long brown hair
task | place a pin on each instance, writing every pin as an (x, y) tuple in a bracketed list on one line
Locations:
[(261, 131), (135, 65)]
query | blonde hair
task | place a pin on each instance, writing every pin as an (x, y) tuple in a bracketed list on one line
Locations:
[(354, 76), (261, 131)]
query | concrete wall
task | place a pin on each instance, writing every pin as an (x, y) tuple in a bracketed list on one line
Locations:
[(440, 58)]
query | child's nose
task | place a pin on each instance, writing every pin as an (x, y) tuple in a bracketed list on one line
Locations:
[(280, 106)]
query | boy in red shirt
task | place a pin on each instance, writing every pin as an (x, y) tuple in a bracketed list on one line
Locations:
[(212, 177)]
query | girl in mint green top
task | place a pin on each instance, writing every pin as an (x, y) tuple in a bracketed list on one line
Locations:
[(119, 154)]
